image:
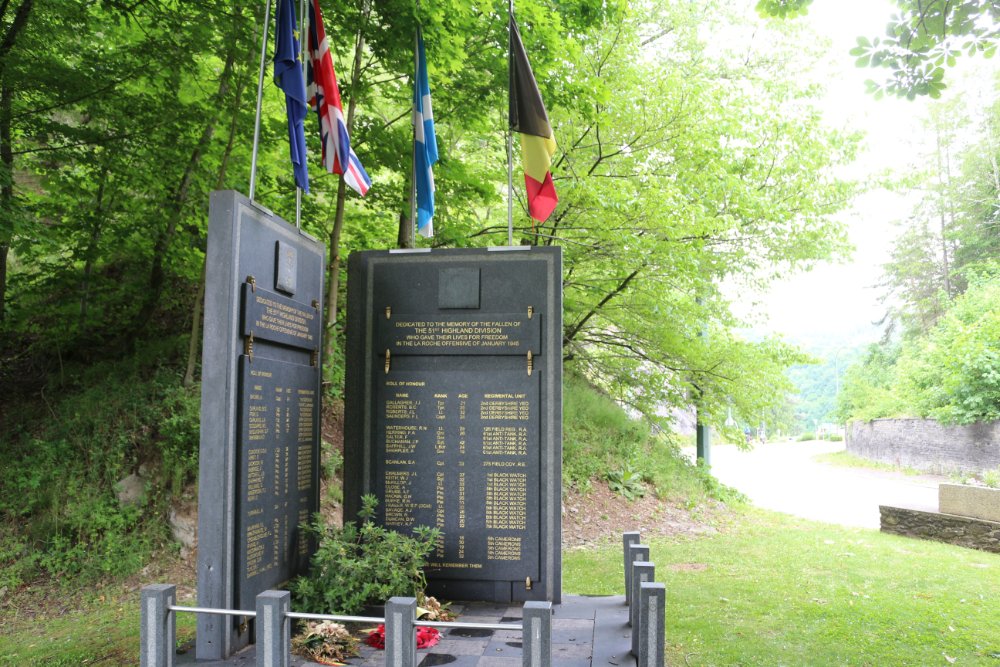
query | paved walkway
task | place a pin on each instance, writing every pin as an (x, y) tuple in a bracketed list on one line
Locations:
[(586, 632), (786, 477)]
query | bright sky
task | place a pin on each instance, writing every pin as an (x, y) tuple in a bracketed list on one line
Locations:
[(843, 298)]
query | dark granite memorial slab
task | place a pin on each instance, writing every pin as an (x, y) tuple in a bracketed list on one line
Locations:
[(453, 411), (259, 458)]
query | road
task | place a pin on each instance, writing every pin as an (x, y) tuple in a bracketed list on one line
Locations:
[(786, 477)]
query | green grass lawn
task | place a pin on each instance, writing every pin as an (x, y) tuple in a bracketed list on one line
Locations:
[(774, 590)]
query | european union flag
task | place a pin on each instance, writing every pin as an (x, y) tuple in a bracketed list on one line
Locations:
[(424, 144), (288, 77)]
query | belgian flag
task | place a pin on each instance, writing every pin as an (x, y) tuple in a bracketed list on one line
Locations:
[(529, 119)]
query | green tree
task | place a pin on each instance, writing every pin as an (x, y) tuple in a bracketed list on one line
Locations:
[(920, 41)]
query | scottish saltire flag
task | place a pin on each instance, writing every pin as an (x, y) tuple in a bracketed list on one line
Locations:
[(288, 77), (324, 97), (424, 144)]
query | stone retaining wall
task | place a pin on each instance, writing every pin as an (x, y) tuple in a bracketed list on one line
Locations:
[(959, 530), (926, 445)]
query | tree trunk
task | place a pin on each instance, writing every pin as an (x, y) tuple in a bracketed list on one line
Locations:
[(195, 329), (333, 267), (220, 181), (91, 252), (179, 198), (6, 150), (6, 192)]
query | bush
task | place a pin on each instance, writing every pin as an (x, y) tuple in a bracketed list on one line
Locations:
[(104, 421), (808, 435), (358, 567)]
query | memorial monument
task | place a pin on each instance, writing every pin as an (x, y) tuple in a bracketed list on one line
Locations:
[(453, 412), (260, 407)]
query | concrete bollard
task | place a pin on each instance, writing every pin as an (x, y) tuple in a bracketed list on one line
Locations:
[(641, 571), (628, 539), (274, 629), (400, 632), (158, 629), (536, 635), (635, 553), (652, 613)]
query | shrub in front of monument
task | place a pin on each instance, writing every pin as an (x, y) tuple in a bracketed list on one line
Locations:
[(355, 567)]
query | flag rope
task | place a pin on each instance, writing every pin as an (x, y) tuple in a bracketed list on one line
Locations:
[(260, 95), (303, 45), (411, 234), (510, 136)]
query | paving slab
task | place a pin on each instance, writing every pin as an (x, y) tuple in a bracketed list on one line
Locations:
[(586, 632)]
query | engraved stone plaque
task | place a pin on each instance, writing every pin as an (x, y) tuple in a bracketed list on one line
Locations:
[(258, 475), (453, 412)]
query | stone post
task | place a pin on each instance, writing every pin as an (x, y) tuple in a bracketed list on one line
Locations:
[(641, 571), (536, 635), (650, 644), (628, 539), (634, 553), (158, 629), (400, 632), (274, 629)]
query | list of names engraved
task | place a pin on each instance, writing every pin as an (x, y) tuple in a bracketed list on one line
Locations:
[(276, 466), (459, 451)]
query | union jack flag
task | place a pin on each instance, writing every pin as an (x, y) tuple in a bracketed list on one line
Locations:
[(324, 97)]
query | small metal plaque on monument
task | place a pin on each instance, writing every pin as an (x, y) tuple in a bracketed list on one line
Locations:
[(453, 412), (260, 406)]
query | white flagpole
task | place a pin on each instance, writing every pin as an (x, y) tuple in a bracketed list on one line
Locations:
[(510, 135), (303, 45), (411, 235), (260, 94)]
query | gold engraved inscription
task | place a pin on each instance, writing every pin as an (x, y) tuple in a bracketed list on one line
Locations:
[(505, 407), (503, 548), (505, 441), (492, 334), (307, 404), (255, 474), (257, 536), (402, 438), (284, 319), (506, 500)]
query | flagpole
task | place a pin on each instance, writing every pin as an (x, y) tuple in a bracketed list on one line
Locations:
[(260, 95), (510, 137), (303, 45), (411, 235)]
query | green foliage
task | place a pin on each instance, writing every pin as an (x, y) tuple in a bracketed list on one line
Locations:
[(953, 375), (601, 441), (597, 434), (783, 8), (626, 481), (869, 388), (60, 469), (808, 435), (923, 39), (355, 567)]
